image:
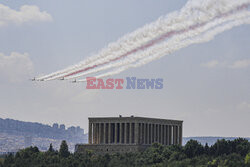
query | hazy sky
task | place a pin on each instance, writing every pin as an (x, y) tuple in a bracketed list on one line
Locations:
[(206, 85)]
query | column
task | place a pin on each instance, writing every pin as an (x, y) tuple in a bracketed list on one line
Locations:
[(159, 138), (125, 133), (90, 133), (96, 133), (152, 133), (168, 138), (172, 130), (170, 134), (140, 126), (136, 133), (142, 133), (148, 136), (133, 132), (163, 134), (176, 135), (180, 134), (120, 138), (112, 132), (115, 133), (130, 133), (167, 135), (99, 133), (93, 133), (104, 133), (145, 133), (93, 141), (109, 133), (156, 133)]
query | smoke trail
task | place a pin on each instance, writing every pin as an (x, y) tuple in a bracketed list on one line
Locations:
[(174, 21), (157, 48), (200, 39), (151, 43)]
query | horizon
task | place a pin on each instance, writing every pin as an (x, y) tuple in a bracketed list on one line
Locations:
[(66, 127), (206, 85)]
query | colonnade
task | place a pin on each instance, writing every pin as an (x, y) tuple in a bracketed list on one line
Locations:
[(134, 133)]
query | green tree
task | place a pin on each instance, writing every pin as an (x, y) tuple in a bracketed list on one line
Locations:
[(1, 162), (153, 154), (241, 146), (64, 151), (221, 147), (9, 159), (193, 148), (206, 149), (247, 159), (51, 149)]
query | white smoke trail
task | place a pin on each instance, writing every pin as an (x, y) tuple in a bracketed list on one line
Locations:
[(191, 13), (200, 39), (157, 48), (100, 60)]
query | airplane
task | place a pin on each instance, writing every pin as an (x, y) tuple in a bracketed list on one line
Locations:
[(34, 79)]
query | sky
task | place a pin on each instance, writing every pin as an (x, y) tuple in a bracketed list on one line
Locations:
[(205, 85)]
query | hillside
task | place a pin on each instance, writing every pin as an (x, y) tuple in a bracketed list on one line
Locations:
[(15, 135)]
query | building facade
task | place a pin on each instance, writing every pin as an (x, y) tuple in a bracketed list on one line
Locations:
[(124, 134)]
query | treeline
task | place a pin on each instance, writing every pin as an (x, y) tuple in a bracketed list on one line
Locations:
[(223, 153)]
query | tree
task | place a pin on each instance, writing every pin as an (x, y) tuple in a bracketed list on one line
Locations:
[(241, 146), (64, 151), (153, 154), (193, 148), (247, 159), (51, 149), (9, 159), (221, 147)]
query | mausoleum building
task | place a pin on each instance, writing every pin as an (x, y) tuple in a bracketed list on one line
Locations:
[(125, 134)]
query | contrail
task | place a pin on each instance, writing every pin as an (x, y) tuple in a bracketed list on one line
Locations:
[(149, 44), (192, 15), (159, 47), (200, 39)]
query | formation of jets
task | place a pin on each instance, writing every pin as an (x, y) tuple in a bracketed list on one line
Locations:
[(34, 79)]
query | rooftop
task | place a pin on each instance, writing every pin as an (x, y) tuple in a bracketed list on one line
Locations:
[(132, 118)]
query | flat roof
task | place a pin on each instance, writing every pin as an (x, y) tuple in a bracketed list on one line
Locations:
[(133, 119)]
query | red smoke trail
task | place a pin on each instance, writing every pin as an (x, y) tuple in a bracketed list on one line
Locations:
[(157, 40), (149, 44)]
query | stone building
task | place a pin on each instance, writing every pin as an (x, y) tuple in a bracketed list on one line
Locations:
[(124, 134)]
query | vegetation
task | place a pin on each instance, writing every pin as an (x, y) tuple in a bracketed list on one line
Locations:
[(223, 153)]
